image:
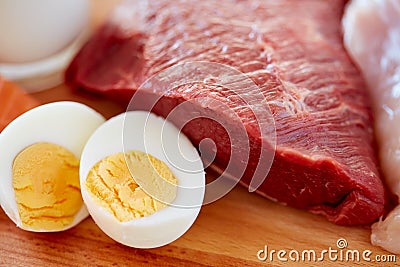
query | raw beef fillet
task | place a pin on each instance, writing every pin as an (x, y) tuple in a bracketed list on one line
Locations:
[(324, 159), (372, 37)]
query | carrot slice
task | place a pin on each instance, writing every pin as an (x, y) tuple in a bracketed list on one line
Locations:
[(13, 102)]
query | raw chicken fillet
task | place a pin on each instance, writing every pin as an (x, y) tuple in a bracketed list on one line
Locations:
[(372, 37)]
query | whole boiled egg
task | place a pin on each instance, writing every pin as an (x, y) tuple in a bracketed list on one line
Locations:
[(39, 166), (142, 180)]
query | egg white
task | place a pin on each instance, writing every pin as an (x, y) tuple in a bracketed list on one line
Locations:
[(140, 130), (68, 124)]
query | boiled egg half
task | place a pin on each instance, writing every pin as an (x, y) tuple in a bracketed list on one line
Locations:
[(39, 166), (142, 180)]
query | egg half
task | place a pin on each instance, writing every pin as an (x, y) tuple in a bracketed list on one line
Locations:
[(44, 142), (137, 134)]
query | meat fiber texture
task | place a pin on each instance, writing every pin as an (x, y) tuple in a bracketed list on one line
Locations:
[(372, 37), (324, 157)]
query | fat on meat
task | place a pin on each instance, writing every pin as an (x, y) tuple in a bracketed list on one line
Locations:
[(372, 37)]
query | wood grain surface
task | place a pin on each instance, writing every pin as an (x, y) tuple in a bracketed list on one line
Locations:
[(228, 232)]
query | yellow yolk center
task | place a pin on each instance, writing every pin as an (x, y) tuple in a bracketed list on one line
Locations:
[(114, 184), (46, 185)]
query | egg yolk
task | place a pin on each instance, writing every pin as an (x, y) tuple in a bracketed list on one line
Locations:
[(114, 183), (46, 185)]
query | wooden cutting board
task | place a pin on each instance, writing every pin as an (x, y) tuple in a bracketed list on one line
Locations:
[(228, 232)]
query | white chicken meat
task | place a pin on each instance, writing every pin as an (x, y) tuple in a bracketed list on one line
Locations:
[(372, 38)]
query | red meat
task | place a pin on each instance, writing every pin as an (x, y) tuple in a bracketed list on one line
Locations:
[(324, 159)]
